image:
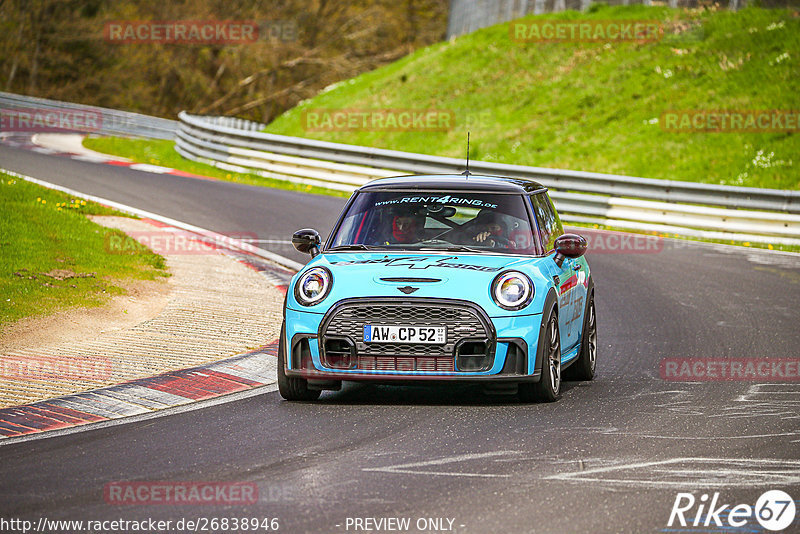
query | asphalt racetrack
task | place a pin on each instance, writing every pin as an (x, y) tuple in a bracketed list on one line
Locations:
[(610, 456)]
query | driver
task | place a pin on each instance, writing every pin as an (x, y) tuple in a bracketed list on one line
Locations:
[(491, 230), (406, 228)]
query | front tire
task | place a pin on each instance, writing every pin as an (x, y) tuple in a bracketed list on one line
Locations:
[(584, 367), (292, 388), (548, 388)]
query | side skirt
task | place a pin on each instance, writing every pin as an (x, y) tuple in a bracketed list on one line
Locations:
[(570, 357)]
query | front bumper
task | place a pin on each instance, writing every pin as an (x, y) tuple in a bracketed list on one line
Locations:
[(479, 348)]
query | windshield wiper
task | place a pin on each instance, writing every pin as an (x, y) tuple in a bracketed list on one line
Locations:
[(454, 248), (354, 246), (463, 248)]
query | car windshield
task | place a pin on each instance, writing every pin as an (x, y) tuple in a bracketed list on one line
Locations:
[(452, 221)]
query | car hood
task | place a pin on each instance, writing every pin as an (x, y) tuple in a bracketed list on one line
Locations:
[(418, 275)]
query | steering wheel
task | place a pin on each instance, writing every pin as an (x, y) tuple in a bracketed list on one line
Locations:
[(500, 241)]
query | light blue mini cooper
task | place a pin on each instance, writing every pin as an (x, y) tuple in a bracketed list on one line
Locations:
[(438, 279)]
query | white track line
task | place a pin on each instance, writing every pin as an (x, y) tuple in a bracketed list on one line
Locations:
[(190, 407), (235, 243)]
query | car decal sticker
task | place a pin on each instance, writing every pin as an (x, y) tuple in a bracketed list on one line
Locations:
[(570, 283), (447, 199), (420, 262)]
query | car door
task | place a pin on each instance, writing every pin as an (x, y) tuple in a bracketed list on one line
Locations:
[(573, 291), (565, 277)]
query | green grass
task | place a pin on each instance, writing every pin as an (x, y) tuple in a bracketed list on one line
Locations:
[(581, 106), (595, 106), (162, 152), (43, 230)]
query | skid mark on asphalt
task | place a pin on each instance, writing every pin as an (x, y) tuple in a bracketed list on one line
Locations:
[(614, 431), (682, 472), (427, 467), (765, 400), (691, 472), (759, 400), (494, 464), (777, 394)]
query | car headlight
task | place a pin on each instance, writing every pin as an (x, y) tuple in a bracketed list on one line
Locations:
[(313, 286), (512, 290)]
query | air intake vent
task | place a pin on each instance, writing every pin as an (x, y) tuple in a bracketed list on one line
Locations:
[(339, 353), (473, 355)]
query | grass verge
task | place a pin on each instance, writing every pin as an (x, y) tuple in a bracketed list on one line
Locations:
[(52, 257)]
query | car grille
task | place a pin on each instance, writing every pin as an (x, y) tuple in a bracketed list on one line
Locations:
[(391, 363), (463, 321)]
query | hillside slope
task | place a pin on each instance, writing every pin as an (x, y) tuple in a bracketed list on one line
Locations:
[(594, 106)]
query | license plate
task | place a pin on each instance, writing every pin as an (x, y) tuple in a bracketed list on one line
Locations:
[(429, 335)]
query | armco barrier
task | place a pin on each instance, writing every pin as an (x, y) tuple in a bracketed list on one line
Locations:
[(109, 121), (665, 206)]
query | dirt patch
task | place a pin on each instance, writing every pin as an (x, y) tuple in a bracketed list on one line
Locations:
[(66, 274), (211, 307), (144, 300)]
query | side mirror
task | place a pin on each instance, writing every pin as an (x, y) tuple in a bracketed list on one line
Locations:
[(306, 241), (569, 246)]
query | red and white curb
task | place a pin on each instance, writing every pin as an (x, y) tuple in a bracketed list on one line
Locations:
[(138, 397), (27, 141), (250, 373)]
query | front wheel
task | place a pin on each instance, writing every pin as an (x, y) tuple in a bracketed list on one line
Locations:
[(292, 388), (548, 387)]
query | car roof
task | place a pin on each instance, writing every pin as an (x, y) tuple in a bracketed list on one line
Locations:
[(455, 182)]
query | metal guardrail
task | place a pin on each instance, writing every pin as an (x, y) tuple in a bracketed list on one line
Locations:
[(111, 121), (665, 206)]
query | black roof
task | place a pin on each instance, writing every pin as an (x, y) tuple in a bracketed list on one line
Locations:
[(454, 182)]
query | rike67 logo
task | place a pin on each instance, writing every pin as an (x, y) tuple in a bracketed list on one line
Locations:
[(775, 511)]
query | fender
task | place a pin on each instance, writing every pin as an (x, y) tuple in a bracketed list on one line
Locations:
[(550, 303)]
